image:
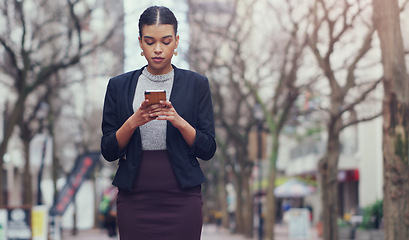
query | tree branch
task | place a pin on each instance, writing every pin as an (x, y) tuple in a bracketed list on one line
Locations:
[(77, 24), (354, 122), (361, 98), (11, 54), (366, 46)]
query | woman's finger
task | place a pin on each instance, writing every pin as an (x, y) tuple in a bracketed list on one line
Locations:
[(144, 104), (166, 104)]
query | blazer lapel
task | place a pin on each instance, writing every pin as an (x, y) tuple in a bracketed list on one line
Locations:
[(131, 89)]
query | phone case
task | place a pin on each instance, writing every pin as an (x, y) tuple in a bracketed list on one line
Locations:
[(155, 96)]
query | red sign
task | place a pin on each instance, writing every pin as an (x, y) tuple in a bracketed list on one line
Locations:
[(81, 171)]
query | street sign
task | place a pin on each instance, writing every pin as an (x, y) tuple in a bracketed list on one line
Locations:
[(81, 171), (299, 224), (19, 223)]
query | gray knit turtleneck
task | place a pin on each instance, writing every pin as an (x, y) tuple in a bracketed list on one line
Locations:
[(153, 133)]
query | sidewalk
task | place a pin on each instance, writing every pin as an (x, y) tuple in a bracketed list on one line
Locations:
[(212, 232), (209, 232), (281, 233)]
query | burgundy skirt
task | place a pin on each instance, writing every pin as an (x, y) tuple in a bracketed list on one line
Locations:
[(157, 207)]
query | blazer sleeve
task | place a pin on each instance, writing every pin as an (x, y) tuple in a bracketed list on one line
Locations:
[(110, 124), (204, 145)]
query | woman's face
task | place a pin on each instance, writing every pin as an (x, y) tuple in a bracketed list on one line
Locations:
[(158, 43)]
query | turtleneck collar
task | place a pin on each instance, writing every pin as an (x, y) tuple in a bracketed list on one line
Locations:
[(158, 78)]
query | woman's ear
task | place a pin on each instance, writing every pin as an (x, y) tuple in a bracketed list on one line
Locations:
[(140, 42), (177, 41)]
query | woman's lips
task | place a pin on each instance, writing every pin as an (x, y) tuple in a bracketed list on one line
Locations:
[(157, 59)]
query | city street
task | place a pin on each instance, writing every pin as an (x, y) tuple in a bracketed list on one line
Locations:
[(209, 232)]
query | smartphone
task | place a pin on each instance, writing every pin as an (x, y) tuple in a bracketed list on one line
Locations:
[(155, 96)]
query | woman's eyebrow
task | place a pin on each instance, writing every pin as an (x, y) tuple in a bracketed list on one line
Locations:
[(167, 36)]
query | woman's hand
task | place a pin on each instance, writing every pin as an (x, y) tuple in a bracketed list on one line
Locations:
[(165, 111), (143, 114), (140, 117)]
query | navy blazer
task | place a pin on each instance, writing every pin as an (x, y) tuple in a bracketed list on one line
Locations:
[(190, 97)]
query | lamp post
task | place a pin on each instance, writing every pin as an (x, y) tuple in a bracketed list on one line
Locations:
[(259, 116), (41, 115)]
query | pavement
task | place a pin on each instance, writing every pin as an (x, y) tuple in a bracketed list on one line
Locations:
[(209, 232)]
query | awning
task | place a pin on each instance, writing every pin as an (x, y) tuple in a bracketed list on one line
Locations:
[(293, 188)]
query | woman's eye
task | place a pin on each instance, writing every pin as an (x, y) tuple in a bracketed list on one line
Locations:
[(166, 43), (149, 43)]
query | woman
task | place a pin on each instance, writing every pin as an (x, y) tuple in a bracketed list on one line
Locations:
[(159, 177)]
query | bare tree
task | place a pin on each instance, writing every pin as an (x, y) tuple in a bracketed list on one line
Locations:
[(40, 39), (395, 114), (333, 22), (288, 50), (217, 50), (241, 77)]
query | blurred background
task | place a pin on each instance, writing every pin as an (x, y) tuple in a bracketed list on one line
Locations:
[(298, 98)]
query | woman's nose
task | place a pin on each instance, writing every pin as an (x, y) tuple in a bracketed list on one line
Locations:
[(157, 48)]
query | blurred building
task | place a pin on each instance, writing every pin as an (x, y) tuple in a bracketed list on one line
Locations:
[(360, 168)]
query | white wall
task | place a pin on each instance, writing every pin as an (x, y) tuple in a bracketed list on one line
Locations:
[(371, 163)]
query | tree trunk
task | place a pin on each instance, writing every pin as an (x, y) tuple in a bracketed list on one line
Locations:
[(2, 184), (328, 169), (244, 199), (270, 218), (396, 170), (10, 122), (27, 179), (28, 183), (55, 164), (55, 170), (222, 195), (248, 209), (244, 203), (239, 204), (396, 120)]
